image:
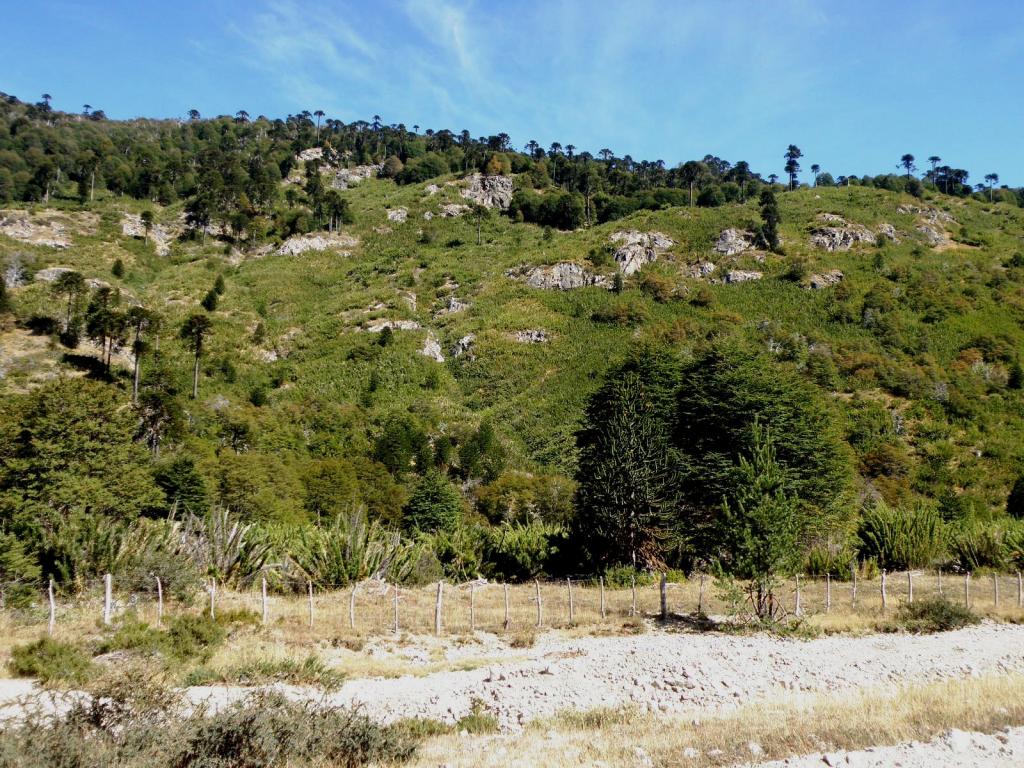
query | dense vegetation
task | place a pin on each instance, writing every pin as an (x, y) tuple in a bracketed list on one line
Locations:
[(223, 407)]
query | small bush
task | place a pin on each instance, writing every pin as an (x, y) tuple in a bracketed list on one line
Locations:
[(479, 720), (191, 637), (935, 615), (50, 661), (902, 538), (309, 671)]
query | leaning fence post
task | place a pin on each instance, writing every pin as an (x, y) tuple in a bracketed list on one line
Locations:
[(938, 580), (438, 607), (108, 588), (572, 613), (505, 624), (53, 611), (910, 586), (601, 582), (885, 598), (995, 590), (309, 586), (664, 597), (700, 596), (159, 602), (1020, 591), (213, 597), (798, 609), (828, 592), (352, 608), (472, 607), (967, 589), (396, 608), (263, 599), (632, 581), (540, 613), (853, 588)]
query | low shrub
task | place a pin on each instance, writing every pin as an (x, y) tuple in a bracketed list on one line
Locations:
[(309, 671), (934, 615), (479, 720), (900, 538), (51, 661)]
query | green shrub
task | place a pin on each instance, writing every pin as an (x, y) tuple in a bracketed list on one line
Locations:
[(310, 671), (190, 636), (900, 538), (479, 720), (516, 551), (934, 615), (50, 661), (975, 544)]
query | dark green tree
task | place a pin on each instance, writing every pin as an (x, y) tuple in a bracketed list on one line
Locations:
[(105, 323), (793, 155), (5, 297), (70, 286), (194, 332), (435, 505), (1015, 501), (141, 322), (183, 486), (770, 219), (907, 163)]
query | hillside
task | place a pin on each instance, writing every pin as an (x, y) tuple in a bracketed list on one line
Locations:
[(901, 312)]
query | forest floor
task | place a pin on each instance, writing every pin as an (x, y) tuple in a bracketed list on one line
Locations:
[(671, 696)]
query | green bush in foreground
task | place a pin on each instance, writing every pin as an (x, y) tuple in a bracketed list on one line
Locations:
[(935, 615), (49, 660)]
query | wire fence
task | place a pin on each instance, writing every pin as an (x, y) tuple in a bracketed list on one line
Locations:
[(378, 607)]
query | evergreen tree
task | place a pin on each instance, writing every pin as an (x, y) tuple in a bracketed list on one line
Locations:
[(5, 298), (194, 332), (770, 218), (625, 496), (183, 486), (105, 324), (70, 286), (793, 155), (435, 505)]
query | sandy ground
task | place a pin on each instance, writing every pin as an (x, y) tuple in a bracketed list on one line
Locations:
[(955, 749)]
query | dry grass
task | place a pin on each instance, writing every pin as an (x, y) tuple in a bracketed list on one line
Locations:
[(798, 725)]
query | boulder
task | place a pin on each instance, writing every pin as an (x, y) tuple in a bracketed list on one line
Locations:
[(839, 235), (46, 229), (637, 249), (432, 189), (453, 210), (825, 280), (734, 241), (398, 215), (932, 235), (563, 276), (741, 276), (531, 336), (432, 348), (888, 231), (376, 326), (50, 274), (427, 215), (464, 346), (489, 191), (299, 244), (162, 235), (700, 270), (451, 306), (313, 153), (349, 177)]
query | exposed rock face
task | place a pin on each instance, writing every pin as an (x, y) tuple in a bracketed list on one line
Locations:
[(489, 191), (299, 244), (50, 274), (933, 236), (888, 231), (464, 346), (313, 153), (409, 298), (432, 189), (427, 215), (825, 280), (432, 348), (932, 215), (531, 336), (563, 276), (14, 273), (161, 235), (376, 326), (740, 276), (638, 249), (453, 210), (451, 306), (46, 228), (349, 177), (700, 270), (839, 235), (398, 215), (733, 241)]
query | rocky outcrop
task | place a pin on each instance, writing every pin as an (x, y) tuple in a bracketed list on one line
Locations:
[(313, 153), (563, 276), (700, 270), (464, 346), (50, 274), (888, 231), (299, 244), (931, 215), (453, 210), (838, 234), (638, 249), (531, 336), (451, 306), (733, 241), (376, 326), (431, 189), (161, 235), (349, 177), (489, 191), (398, 215), (428, 215), (825, 280), (741, 276), (932, 235), (47, 228), (432, 348)]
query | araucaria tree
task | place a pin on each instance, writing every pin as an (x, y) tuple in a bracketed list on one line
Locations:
[(793, 155), (907, 164), (760, 526), (193, 332), (770, 220), (624, 497)]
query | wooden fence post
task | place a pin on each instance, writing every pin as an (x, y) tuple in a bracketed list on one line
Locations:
[(572, 613), (664, 597), (632, 581), (601, 582), (438, 608), (263, 599), (700, 596), (53, 611), (828, 592), (938, 580), (472, 607), (798, 610), (352, 608), (1020, 591), (108, 589), (995, 590), (967, 589), (853, 588), (396, 608), (213, 598), (885, 599), (309, 586), (507, 621), (159, 602), (910, 586), (540, 612)]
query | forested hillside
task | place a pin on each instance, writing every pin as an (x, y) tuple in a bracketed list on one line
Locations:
[(522, 362)]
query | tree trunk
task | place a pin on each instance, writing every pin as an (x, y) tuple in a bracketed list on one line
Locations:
[(195, 379)]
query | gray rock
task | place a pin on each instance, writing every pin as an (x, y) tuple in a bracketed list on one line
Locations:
[(700, 270), (464, 346), (563, 276), (733, 241), (432, 348), (531, 336), (346, 177), (299, 244), (638, 249), (398, 215), (825, 280), (50, 274), (489, 191), (453, 210), (376, 326), (741, 276), (932, 235), (839, 235)]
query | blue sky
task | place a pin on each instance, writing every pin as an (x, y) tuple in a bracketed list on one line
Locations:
[(855, 83)]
